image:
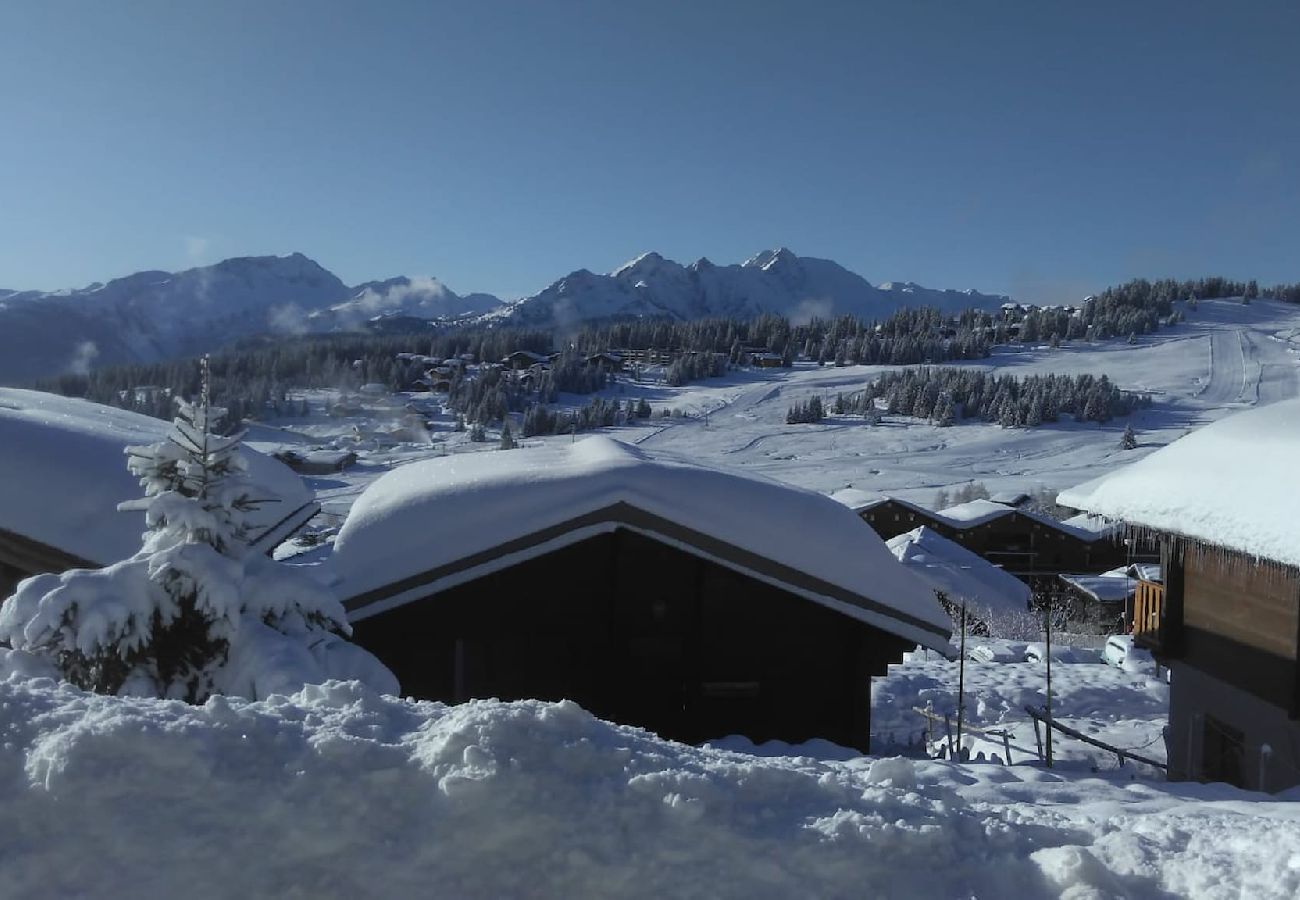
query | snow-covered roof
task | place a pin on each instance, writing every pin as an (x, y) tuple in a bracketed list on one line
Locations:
[(858, 500), (539, 499), (976, 512), (1111, 587), (1009, 498), (1087, 523), (1232, 484), (960, 574), (63, 472)]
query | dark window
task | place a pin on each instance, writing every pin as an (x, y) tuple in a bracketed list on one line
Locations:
[(1222, 753)]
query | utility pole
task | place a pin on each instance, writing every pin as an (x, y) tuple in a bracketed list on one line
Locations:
[(961, 679), (1048, 654)]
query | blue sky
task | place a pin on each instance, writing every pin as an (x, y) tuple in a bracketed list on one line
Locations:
[(1039, 148)]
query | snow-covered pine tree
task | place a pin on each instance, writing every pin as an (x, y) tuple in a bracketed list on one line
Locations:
[(1129, 440), (193, 613), (507, 439)]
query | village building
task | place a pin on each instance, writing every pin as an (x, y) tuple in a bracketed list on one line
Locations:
[(1030, 545), (1225, 615), (63, 473), (316, 462), (525, 359), (649, 589)]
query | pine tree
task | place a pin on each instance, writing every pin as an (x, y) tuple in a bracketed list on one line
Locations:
[(507, 439), (1129, 440), (193, 613)]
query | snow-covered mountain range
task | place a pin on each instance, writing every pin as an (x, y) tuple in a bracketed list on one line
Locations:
[(155, 315), (774, 281)]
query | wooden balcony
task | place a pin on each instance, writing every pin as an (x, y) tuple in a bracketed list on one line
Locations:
[(1148, 614)]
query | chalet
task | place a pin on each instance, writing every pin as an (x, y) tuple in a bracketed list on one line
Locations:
[(525, 359), (651, 590), (887, 516), (316, 462), (767, 360), (1032, 546), (611, 361), (63, 473), (1225, 616)]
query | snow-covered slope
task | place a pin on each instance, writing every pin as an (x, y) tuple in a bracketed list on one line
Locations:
[(420, 298), (774, 281)]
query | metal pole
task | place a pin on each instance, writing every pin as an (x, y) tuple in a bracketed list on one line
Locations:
[(961, 679), (1048, 654)]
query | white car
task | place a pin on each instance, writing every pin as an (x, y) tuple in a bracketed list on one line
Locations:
[(1120, 651)]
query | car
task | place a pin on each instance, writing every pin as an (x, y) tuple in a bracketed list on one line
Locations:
[(1121, 652)]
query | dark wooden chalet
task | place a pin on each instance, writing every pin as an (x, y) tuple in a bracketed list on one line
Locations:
[(643, 591), (1033, 547), (1225, 616)]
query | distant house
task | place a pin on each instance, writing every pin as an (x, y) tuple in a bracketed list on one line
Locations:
[(1225, 615), (653, 591), (317, 462), (611, 361), (887, 516), (63, 473), (525, 359), (1030, 545), (767, 360)]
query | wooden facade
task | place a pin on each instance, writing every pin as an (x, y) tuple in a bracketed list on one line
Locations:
[(1030, 547), (22, 557), (642, 632), (1229, 627)]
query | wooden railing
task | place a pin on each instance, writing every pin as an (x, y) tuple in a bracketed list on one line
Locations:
[(1148, 608)]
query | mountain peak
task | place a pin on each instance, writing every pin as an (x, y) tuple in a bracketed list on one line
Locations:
[(768, 258), (646, 261)]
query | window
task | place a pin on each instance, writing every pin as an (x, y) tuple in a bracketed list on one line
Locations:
[(1222, 752)]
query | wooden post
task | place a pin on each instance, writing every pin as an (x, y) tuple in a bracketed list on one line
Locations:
[(961, 678), (1048, 655), (1038, 737), (1006, 746)]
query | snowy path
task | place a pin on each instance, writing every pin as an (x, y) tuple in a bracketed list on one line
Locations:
[(1227, 381)]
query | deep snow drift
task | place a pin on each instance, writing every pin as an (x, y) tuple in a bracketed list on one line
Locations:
[(338, 791)]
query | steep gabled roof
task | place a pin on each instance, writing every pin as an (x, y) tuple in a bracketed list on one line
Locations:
[(959, 573), (63, 472), (1232, 484), (398, 545)]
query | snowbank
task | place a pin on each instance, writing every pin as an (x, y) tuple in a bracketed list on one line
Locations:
[(436, 512), (1231, 483), (339, 792), (63, 472)]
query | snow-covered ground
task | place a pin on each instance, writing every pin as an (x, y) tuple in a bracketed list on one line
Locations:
[(1125, 707), (1225, 357), (339, 792)]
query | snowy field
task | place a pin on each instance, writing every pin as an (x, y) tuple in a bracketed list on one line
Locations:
[(1226, 357), (340, 792)]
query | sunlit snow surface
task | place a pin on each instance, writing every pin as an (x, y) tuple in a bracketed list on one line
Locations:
[(340, 792)]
